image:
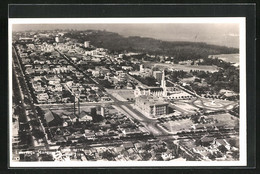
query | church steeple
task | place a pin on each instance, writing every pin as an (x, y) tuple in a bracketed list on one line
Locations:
[(163, 80), (163, 84)]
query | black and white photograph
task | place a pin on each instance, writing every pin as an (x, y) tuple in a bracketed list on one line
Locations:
[(127, 92)]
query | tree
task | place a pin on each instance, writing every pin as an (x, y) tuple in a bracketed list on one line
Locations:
[(161, 149), (114, 126), (95, 128), (218, 154), (212, 157), (46, 157), (32, 157), (66, 94), (35, 123), (149, 81), (146, 156), (17, 110), (222, 148), (105, 83), (40, 111), (38, 134), (235, 155), (25, 138), (147, 147), (108, 155), (92, 92), (195, 118)]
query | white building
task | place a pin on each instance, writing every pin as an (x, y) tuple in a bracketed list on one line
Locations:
[(162, 91), (86, 44), (141, 68), (57, 39), (152, 106)]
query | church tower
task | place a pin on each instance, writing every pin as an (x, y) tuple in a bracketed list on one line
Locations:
[(163, 80), (163, 84)]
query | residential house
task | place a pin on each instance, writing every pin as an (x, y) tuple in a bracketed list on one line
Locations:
[(206, 141), (128, 145), (42, 97), (84, 116), (223, 142)]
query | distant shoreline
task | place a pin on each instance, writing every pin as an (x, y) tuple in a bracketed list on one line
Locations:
[(232, 58)]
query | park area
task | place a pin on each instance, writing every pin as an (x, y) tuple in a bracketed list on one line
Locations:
[(214, 104), (187, 68), (226, 120)]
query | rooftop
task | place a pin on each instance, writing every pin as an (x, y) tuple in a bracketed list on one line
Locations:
[(49, 116), (153, 100)]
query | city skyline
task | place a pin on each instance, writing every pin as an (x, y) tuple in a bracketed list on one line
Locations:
[(224, 34)]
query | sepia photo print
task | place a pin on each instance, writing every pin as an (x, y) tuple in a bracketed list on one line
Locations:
[(90, 92)]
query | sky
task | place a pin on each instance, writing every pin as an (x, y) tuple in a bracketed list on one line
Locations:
[(225, 34)]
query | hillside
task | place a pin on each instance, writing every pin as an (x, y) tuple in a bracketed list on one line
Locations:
[(180, 50)]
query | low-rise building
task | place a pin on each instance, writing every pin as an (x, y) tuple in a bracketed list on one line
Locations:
[(84, 116), (42, 97), (127, 68)]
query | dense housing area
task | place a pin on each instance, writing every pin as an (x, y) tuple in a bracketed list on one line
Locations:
[(95, 95)]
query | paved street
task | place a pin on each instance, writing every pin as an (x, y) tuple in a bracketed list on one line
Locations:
[(31, 103)]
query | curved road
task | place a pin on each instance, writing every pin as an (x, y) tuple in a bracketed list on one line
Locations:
[(202, 101)]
